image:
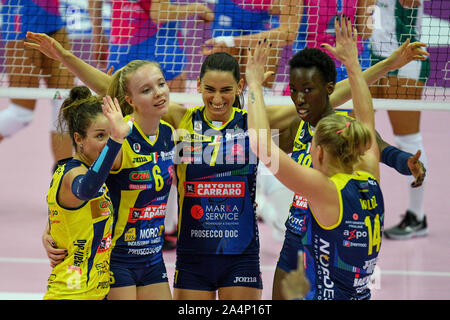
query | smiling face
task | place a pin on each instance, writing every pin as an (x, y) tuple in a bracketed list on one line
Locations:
[(148, 91), (310, 94), (219, 91), (95, 139)]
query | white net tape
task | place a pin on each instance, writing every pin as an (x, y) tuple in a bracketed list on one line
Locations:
[(178, 45)]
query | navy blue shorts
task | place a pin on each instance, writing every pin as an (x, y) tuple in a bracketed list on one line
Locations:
[(211, 272), (289, 257), (122, 276), (289, 252)]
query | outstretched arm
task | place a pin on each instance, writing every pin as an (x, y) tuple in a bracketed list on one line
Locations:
[(311, 183), (406, 53), (347, 52), (92, 77), (404, 162)]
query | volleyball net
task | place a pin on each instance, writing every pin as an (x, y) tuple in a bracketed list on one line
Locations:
[(180, 33)]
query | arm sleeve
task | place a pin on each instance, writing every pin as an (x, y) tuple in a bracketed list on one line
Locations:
[(397, 159), (86, 186)]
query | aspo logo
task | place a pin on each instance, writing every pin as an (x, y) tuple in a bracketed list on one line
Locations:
[(355, 234)]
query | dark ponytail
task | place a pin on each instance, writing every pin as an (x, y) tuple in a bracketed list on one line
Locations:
[(77, 112)]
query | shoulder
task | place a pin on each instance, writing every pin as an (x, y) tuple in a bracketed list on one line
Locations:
[(175, 114), (188, 115)]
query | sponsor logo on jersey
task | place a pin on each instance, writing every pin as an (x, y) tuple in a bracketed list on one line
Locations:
[(137, 147), (324, 269), (152, 157), (214, 189), (140, 186), (148, 213), (197, 212), (105, 244), (140, 176), (300, 202), (130, 235)]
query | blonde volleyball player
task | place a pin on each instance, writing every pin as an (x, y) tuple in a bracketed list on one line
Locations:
[(342, 190)]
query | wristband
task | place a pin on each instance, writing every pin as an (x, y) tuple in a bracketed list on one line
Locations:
[(397, 159), (229, 41)]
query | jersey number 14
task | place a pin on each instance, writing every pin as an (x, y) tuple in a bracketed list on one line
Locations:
[(374, 233)]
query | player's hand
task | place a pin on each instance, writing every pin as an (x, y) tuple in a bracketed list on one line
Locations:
[(113, 112), (406, 53), (256, 64), (214, 45), (55, 255), (417, 169), (295, 285), (205, 13), (346, 49), (46, 45)]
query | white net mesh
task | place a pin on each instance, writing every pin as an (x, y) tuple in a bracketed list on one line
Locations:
[(178, 33)]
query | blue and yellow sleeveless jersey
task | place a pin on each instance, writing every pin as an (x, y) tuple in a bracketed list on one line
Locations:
[(86, 234), (342, 258), (216, 186), (139, 192), (295, 222)]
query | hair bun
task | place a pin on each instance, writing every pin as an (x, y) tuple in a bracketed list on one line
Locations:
[(79, 93)]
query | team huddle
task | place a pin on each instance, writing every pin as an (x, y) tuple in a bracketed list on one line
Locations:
[(108, 203)]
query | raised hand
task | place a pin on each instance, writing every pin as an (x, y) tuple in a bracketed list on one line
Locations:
[(346, 49), (111, 110), (45, 44), (256, 64), (406, 53), (417, 169), (205, 13)]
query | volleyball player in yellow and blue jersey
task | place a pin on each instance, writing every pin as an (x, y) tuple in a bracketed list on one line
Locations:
[(139, 191), (312, 80), (139, 184), (79, 206), (205, 131), (342, 190)]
